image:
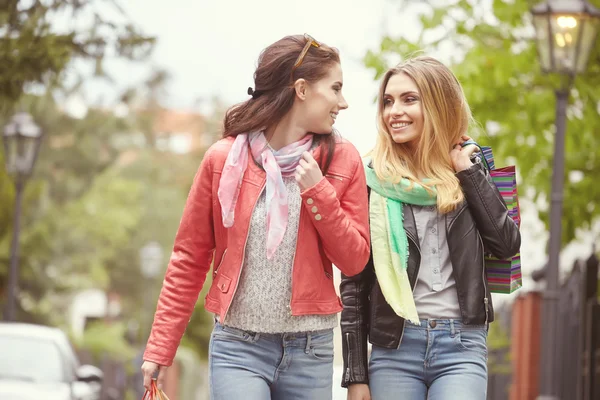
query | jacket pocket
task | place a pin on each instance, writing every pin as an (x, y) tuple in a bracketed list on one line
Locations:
[(337, 177), (223, 283), (339, 181)]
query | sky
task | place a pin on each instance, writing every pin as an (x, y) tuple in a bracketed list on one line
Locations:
[(211, 48)]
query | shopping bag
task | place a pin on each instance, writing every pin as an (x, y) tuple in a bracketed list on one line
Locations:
[(503, 276), (154, 393)]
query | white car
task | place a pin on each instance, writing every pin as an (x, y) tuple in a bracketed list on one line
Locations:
[(38, 362)]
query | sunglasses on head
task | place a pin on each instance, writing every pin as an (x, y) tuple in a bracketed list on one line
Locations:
[(310, 41)]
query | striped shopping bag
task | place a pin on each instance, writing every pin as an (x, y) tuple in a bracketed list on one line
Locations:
[(489, 156), (503, 276)]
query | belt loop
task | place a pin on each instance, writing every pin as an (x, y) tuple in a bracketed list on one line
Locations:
[(308, 344), (452, 330)]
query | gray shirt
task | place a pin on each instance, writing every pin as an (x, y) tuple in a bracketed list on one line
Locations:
[(262, 300), (435, 292)]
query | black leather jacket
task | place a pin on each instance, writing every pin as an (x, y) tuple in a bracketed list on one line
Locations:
[(482, 221)]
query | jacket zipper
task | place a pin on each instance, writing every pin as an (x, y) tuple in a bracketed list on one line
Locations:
[(456, 217), (349, 357), (454, 270), (221, 263), (294, 261), (339, 178), (413, 289), (243, 257), (485, 299)]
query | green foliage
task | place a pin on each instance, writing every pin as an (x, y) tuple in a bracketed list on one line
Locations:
[(498, 343), (101, 189), (78, 211), (496, 61), (96, 197), (34, 50), (106, 340), (498, 337)]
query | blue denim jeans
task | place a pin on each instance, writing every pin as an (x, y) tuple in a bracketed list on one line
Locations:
[(440, 359), (257, 366)]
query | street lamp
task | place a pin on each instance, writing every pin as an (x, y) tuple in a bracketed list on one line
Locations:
[(566, 32), (151, 259), (22, 138)]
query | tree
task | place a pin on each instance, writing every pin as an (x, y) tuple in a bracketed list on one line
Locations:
[(79, 210), (495, 59), (34, 49), (101, 187), (74, 180)]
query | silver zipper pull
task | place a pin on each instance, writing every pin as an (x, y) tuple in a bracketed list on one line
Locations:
[(335, 177), (486, 302)]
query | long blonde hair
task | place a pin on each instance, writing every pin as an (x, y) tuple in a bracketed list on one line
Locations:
[(446, 118)]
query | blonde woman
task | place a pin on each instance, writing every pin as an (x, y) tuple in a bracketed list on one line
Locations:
[(422, 300)]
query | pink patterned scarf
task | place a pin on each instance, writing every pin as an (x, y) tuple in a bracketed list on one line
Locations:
[(278, 163)]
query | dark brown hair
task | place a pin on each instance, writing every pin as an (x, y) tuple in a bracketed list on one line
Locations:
[(274, 91)]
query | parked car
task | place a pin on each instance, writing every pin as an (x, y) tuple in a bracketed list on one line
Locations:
[(38, 362)]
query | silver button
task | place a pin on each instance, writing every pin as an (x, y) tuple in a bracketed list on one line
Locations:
[(436, 271), (310, 201), (433, 251), (433, 230), (318, 217), (314, 209)]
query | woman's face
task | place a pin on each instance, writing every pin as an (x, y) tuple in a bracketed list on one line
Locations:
[(323, 101), (403, 109)]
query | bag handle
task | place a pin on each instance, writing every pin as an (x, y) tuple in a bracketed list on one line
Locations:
[(154, 393), (158, 393), (149, 393), (485, 163)]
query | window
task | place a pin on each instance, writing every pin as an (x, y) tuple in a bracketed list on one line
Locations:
[(31, 359)]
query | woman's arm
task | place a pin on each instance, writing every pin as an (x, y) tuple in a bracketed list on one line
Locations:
[(190, 261), (499, 232), (343, 223), (355, 324)]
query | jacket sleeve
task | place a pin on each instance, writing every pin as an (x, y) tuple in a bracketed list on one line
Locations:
[(342, 224), (354, 322), (500, 234), (190, 261)]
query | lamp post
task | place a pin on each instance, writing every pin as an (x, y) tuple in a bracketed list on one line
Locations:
[(22, 138), (566, 32), (151, 259)]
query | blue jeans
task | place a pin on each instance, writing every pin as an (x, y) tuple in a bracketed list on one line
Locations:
[(258, 366), (440, 359)]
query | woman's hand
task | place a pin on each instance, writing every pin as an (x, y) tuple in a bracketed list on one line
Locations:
[(308, 172), (149, 369), (461, 156), (359, 391)]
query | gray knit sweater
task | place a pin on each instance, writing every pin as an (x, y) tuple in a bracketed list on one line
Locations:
[(262, 300)]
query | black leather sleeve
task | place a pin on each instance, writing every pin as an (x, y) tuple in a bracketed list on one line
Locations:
[(499, 232), (355, 324)]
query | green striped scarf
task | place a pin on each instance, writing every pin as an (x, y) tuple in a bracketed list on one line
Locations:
[(389, 240)]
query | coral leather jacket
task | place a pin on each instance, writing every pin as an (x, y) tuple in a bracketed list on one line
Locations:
[(334, 228)]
